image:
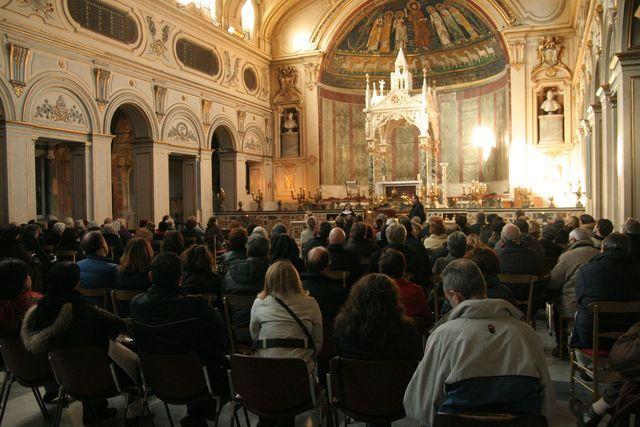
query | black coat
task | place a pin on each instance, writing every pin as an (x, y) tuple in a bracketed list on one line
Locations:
[(245, 277), (635, 246), (608, 276), (418, 210), (328, 293), (168, 321), (114, 241), (192, 232), (364, 248), (519, 259), (201, 282), (403, 344), (343, 259), (132, 281), (232, 256), (74, 323), (551, 249), (477, 228), (312, 243), (417, 264), (12, 248)]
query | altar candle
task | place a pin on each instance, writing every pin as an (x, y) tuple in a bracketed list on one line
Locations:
[(418, 177)]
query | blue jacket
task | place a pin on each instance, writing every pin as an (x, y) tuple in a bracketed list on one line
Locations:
[(97, 272), (609, 276)]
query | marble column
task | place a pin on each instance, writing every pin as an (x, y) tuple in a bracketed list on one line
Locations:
[(443, 186), (594, 116), (371, 151), (18, 176), (609, 145)]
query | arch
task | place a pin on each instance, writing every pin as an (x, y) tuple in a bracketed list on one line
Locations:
[(55, 79), (225, 122), (5, 98), (142, 111), (183, 111), (253, 132)]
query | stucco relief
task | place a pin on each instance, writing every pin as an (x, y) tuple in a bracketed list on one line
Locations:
[(158, 43), (42, 8), (182, 133), (252, 144), (60, 112)]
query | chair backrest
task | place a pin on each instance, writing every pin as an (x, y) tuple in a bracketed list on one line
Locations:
[(370, 391), (62, 254), (329, 349), (599, 308), (339, 275), (437, 296), (524, 280), (95, 294), (489, 420), (174, 378), (28, 368), (272, 387), (84, 372), (235, 302), (118, 295)]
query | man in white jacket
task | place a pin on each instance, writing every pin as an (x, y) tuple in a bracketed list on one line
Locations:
[(482, 359)]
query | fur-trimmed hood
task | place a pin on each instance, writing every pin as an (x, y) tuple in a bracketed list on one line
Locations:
[(39, 340)]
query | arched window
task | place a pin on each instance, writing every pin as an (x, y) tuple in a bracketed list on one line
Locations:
[(248, 17), (209, 6)]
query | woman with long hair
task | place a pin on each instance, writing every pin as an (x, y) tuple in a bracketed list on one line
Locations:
[(173, 242), (270, 319), (372, 324), (198, 277), (133, 272)]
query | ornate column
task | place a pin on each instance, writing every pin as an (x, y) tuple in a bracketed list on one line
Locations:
[(609, 151), (371, 151), (424, 172), (584, 131), (443, 186), (383, 150), (594, 117)]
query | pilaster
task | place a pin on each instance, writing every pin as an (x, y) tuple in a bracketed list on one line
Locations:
[(18, 181)]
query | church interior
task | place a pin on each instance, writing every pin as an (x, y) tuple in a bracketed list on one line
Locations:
[(227, 115)]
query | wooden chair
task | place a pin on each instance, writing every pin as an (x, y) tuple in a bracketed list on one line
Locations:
[(599, 358), (339, 275), (522, 280), (272, 387), (66, 255), (96, 295), (231, 303), (369, 391), (489, 420), (28, 369), (119, 295), (437, 296)]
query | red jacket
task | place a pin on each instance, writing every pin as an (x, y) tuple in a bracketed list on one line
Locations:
[(413, 299)]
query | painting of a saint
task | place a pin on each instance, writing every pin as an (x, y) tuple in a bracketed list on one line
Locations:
[(451, 24), (438, 24), (401, 38), (419, 24), (385, 37), (463, 21), (374, 37)]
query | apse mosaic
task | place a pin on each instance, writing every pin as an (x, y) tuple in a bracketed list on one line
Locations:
[(449, 40)]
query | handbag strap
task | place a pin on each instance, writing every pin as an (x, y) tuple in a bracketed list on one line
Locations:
[(312, 344)]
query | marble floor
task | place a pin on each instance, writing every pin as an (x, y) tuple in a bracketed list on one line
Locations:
[(22, 410)]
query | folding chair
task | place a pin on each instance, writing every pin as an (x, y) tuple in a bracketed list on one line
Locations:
[(28, 369), (597, 357), (339, 275), (231, 304), (119, 296), (522, 280), (369, 391), (99, 295)]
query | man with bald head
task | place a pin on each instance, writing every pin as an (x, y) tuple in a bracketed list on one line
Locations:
[(343, 259), (328, 292)]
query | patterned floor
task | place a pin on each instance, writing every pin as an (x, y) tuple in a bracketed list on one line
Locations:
[(22, 410)]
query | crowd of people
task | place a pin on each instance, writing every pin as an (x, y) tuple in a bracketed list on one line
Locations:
[(479, 356)]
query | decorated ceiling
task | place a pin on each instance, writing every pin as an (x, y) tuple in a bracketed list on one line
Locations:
[(448, 39)]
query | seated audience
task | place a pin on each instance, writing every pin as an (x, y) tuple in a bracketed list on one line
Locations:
[(168, 321), (603, 228), (143, 230), (548, 242), (494, 231), (192, 230), (16, 296), (457, 247), (417, 265), (609, 276), (114, 242), (213, 233), (124, 232), (173, 242), (341, 222), (393, 264), (631, 229), (236, 247), (309, 230), (437, 234), (276, 332), (565, 227), (198, 276), (358, 242), (372, 325), (343, 259), (258, 231), (478, 226), (69, 242), (515, 257), (473, 242), (329, 293), (284, 247), (133, 271), (277, 230), (411, 241), (489, 264), (246, 277), (97, 271), (54, 232), (10, 246), (64, 319), (485, 233), (162, 228), (461, 221), (320, 239), (31, 241), (461, 372)]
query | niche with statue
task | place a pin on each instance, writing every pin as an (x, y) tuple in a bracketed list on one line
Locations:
[(550, 116)]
